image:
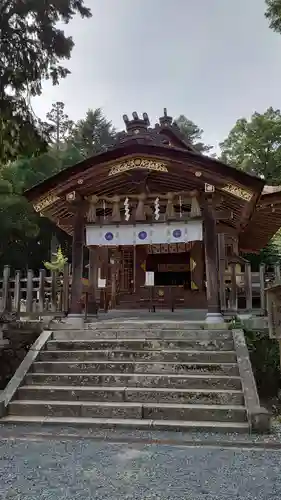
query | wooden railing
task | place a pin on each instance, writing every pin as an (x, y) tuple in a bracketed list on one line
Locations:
[(26, 293), (245, 290), (47, 293)]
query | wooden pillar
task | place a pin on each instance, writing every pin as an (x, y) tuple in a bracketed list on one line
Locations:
[(41, 298), (17, 292), (77, 259), (54, 277), (6, 288), (277, 273), (248, 287), (104, 256), (262, 289), (93, 280), (29, 291), (233, 291), (222, 268), (211, 258), (65, 289), (114, 267)]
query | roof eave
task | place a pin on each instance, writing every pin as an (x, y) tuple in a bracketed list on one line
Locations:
[(173, 154)]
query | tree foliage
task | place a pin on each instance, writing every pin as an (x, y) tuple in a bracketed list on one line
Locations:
[(57, 263), (93, 134), (192, 133), (270, 255), (255, 145), (31, 49), (60, 123), (273, 14), (26, 237)]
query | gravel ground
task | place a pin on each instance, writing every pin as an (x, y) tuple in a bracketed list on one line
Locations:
[(56, 468)]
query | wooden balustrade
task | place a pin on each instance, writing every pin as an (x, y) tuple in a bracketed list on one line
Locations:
[(47, 293), (30, 293), (246, 290)]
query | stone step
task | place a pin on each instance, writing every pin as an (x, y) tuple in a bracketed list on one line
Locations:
[(135, 367), (136, 380), (143, 324), (134, 333), (132, 424), (151, 355), (129, 394), (151, 411), (139, 344)]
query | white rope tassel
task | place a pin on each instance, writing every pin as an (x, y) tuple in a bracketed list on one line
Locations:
[(157, 209), (127, 209), (180, 201)]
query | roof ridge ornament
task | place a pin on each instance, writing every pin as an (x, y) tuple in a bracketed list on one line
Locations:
[(137, 124), (165, 120)]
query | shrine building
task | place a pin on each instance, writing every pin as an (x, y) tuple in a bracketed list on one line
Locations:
[(161, 220)]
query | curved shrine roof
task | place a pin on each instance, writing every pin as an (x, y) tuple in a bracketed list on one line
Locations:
[(265, 222), (160, 160)]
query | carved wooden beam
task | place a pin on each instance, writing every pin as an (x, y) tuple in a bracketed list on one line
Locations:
[(76, 202), (92, 211), (116, 216), (140, 210), (150, 196), (195, 208), (170, 209)]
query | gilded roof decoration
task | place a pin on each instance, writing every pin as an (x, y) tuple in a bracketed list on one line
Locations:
[(238, 192), (45, 202), (138, 163)]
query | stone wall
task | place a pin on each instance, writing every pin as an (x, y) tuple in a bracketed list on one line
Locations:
[(19, 336)]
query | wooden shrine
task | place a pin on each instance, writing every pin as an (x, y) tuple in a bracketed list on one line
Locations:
[(152, 203)]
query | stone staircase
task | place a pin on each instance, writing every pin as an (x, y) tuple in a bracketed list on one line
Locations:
[(136, 375)]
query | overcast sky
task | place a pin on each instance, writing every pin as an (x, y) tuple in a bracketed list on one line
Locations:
[(212, 60)]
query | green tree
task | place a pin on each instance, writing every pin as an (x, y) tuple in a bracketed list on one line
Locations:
[(255, 145), (17, 221), (25, 236), (92, 135), (269, 255), (61, 124), (273, 14), (192, 133), (31, 48)]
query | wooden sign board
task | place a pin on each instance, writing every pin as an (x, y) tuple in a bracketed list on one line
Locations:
[(173, 268), (170, 248), (149, 278), (274, 311)]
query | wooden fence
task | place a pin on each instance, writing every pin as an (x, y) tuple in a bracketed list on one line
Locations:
[(47, 293), (41, 293), (246, 290)]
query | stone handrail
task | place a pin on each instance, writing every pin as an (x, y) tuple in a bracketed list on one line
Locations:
[(258, 417), (9, 392)]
